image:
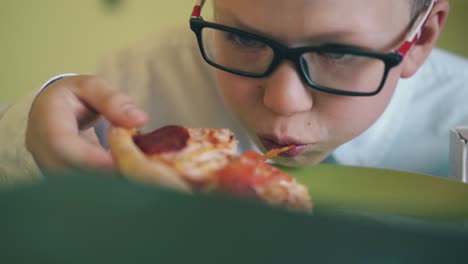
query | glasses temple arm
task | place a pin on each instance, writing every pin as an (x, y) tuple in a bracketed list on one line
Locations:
[(196, 12), (416, 32)]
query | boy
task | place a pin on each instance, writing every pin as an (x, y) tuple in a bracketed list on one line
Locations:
[(344, 81)]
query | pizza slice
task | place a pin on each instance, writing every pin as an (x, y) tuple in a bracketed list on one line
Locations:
[(204, 159)]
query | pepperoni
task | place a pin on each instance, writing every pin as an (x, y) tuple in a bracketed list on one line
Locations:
[(165, 139)]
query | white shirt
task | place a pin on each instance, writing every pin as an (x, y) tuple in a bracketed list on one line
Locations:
[(413, 134), (170, 80)]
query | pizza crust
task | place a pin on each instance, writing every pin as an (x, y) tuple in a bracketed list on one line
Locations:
[(135, 165)]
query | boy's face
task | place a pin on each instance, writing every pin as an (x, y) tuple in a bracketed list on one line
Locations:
[(281, 109)]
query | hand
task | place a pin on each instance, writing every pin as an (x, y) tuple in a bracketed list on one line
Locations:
[(60, 133)]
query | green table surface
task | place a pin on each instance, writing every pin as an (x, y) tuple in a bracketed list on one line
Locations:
[(360, 216), (389, 192)]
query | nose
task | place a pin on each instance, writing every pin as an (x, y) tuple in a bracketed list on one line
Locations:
[(284, 91)]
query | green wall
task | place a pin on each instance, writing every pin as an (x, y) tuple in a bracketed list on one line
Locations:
[(43, 38), (455, 34)]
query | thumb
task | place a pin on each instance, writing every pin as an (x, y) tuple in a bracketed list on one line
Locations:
[(85, 154)]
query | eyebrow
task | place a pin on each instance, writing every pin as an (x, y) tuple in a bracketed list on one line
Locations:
[(235, 22), (323, 38)]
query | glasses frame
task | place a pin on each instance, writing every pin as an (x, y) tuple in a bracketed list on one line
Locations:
[(282, 52)]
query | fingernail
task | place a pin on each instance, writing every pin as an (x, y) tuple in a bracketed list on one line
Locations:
[(132, 112)]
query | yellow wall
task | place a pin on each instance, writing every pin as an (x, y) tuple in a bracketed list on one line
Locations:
[(39, 39)]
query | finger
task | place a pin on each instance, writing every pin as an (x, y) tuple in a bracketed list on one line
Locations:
[(111, 103), (58, 160), (61, 110), (76, 152), (59, 144)]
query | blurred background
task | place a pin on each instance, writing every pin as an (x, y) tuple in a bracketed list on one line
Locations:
[(40, 39)]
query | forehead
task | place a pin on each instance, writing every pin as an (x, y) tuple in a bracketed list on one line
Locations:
[(292, 19)]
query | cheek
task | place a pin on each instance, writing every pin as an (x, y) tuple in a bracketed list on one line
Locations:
[(332, 119), (239, 94), (384, 97), (354, 115)]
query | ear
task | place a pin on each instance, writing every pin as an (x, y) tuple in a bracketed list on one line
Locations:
[(427, 40)]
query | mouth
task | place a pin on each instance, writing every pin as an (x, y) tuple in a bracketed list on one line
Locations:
[(295, 150)]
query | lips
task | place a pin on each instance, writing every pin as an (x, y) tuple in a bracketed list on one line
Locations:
[(295, 150)]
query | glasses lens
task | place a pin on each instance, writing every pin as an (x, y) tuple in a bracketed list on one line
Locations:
[(343, 71), (236, 51)]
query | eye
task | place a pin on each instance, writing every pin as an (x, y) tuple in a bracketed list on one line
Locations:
[(335, 56), (246, 42)]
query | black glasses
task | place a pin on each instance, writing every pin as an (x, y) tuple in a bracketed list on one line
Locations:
[(331, 68)]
